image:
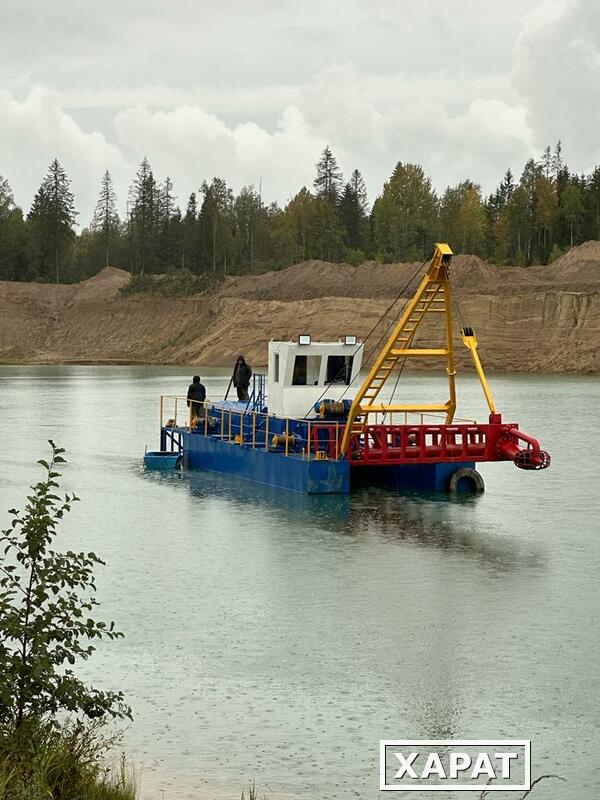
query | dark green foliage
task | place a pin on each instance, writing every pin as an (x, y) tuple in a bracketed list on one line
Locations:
[(171, 284), (53, 743), (353, 217), (222, 233), (405, 217), (329, 179), (105, 223), (13, 262), (216, 227), (143, 220), (46, 598), (51, 226)]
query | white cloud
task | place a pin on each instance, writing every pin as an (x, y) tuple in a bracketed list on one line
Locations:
[(189, 144), (251, 91), (557, 73), (35, 131)]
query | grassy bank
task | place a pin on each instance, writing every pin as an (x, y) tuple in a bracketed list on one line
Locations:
[(38, 762)]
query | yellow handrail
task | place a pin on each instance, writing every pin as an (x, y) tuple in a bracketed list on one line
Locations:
[(226, 427)]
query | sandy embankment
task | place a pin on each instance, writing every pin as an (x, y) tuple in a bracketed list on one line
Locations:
[(544, 319)]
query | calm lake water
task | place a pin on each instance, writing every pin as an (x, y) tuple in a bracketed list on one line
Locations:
[(277, 637)]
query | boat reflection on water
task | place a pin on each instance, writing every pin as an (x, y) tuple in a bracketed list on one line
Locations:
[(442, 521)]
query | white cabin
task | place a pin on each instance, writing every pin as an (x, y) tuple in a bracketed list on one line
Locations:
[(302, 373)]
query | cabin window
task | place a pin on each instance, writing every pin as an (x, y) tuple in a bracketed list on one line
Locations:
[(339, 369), (306, 371), (276, 368)]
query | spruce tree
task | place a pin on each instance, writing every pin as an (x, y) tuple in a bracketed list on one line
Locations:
[(557, 160), (360, 191), (329, 180), (546, 162), (168, 223), (52, 218), (189, 234), (143, 219), (353, 219), (105, 222)]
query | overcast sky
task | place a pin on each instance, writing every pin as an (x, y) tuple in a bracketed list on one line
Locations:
[(254, 89)]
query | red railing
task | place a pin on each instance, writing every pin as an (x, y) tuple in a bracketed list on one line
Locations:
[(420, 444)]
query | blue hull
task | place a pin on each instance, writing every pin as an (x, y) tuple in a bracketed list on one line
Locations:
[(411, 477), (213, 447), (292, 472)]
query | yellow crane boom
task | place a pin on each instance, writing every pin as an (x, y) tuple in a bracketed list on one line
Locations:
[(433, 296)]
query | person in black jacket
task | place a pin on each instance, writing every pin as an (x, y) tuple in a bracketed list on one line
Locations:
[(241, 378), (196, 395)]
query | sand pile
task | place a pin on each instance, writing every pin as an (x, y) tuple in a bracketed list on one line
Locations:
[(103, 286), (580, 266), (313, 279), (531, 319)]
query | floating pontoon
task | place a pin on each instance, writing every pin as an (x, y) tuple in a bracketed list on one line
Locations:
[(317, 433)]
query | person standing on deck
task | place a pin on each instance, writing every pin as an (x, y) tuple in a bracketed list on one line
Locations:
[(196, 395), (241, 378)]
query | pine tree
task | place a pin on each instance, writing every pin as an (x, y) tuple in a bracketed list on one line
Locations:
[(532, 172), (506, 188), (517, 223), (189, 234), (12, 236), (247, 210), (165, 200), (571, 208), (546, 163), (52, 219), (353, 220), (216, 224), (360, 190), (105, 222), (592, 195), (329, 180), (557, 161), (546, 205), (168, 224), (143, 219)]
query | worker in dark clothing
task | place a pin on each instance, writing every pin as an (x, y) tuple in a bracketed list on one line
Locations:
[(241, 378), (196, 396)]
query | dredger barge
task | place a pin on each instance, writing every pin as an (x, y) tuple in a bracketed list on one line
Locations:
[(314, 437)]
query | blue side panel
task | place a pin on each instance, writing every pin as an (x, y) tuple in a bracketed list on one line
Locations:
[(414, 477), (269, 467), (162, 460)]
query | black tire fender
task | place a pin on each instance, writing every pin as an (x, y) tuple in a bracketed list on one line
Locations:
[(466, 474)]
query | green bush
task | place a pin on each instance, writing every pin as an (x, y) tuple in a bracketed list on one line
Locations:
[(556, 252), (178, 283), (52, 725), (354, 256)]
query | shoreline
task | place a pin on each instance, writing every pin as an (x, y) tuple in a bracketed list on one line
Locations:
[(117, 362)]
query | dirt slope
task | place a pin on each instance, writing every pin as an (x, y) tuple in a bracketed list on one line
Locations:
[(533, 319)]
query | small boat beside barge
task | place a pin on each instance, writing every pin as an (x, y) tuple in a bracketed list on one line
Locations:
[(316, 434)]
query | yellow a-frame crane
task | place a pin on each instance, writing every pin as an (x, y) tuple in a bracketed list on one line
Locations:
[(433, 296)]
